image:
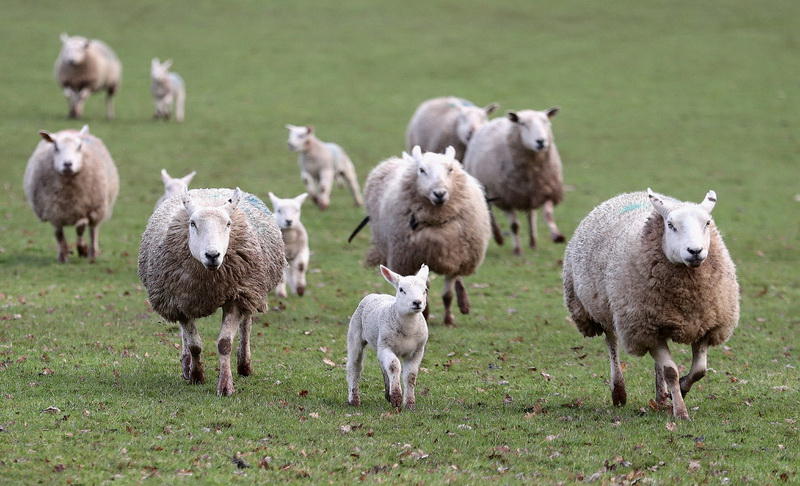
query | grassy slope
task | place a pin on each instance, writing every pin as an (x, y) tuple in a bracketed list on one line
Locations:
[(681, 96)]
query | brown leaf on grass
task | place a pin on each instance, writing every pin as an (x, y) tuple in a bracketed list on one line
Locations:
[(693, 466), (46, 371), (303, 393), (59, 468), (507, 399), (546, 376), (329, 362), (577, 403), (239, 462), (265, 462), (671, 426), (51, 409)]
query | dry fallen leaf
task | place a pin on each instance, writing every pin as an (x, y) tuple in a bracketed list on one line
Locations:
[(671, 426), (51, 409), (694, 466), (329, 362)]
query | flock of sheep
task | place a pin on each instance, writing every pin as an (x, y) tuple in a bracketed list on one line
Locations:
[(641, 267)]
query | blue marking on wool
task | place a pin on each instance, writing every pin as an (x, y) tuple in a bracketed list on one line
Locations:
[(633, 207)]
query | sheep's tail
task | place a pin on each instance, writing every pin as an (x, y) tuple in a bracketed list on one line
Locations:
[(358, 228)]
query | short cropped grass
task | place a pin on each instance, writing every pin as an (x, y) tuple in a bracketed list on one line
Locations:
[(681, 96)]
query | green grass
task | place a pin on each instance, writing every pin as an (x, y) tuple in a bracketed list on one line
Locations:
[(677, 95)]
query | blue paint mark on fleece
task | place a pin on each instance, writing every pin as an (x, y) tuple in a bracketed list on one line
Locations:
[(633, 207)]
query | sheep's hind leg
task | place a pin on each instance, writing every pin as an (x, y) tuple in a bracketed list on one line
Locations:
[(512, 218), (662, 395), (618, 394), (110, 102), (190, 355), (555, 234), (78, 103), (663, 359), (532, 229), (243, 355), (80, 245), (348, 173), (461, 296), (230, 321), (391, 368), (355, 361), (699, 366), (410, 372), (447, 299), (94, 241), (497, 233), (63, 247)]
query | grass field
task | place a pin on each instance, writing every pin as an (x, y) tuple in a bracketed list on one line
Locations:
[(681, 96)]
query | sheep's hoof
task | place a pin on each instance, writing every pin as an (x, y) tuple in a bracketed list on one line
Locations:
[(300, 291), (517, 251), (196, 376), (244, 368), (681, 414), (410, 405), (62, 258), (355, 401), (559, 238), (83, 250), (186, 367), (396, 398), (619, 396), (225, 386)]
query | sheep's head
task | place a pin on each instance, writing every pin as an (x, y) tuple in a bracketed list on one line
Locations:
[(73, 49), (287, 211), (434, 173), (534, 127), (687, 228), (298, 137), (159, 71), (412, 291), (210, 229), (67, 150), (175, 185), (471, 118)]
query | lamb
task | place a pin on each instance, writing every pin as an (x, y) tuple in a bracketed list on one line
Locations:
[(71, 179), (168, 89), (517, 161), (424, 208), (647, 268), (173, 186), (205, 249), (85, 66), (396, 329), (447, 121), (295, 240), (321, 162)]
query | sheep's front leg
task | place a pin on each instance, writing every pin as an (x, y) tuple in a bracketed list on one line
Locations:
[(348, 173), (80, 227), (78, 102), (532, 228), (663, 359), (94, 241), (391, 367), (555, 234), (326, 177), (110, 102), (243, 356), (512, 218), (231, 317), (410, 372), (280, 290), (191, 365), (299, 267), (63, 247), (461, 296), (447, 300), (618, 394), (662, 395), (355, 359), (699, 366)]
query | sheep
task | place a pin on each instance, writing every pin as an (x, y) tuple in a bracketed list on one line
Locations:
[(447, 121), (320, 162), (517, 161), (71, 179), (85, 66), (396, 329), (424, 208), (647, 272), (168, 90), (175, 185), (295, 240), (205, 249)]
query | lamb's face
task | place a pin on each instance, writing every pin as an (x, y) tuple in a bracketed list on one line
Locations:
[(434, 173), (159, 71), (298, 137), (470, 119), (412, 291), (73, 49), (176, 185), (210, 230), (67, 150), (534, 127), (287, 211), (687, 229)]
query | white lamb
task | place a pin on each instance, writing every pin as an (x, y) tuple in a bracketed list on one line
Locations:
[(321, 163), (395, 328), (85, 66), (174, 185), (168, 89), (295, 241)]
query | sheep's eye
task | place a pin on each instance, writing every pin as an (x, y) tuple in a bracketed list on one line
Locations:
[(229, 224), (402, 290), (422, 171), (191, 223), (671, 226), (708, 223), (450, 170)]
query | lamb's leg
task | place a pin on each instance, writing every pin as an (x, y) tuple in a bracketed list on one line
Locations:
[(699, 366), (190, 355), (391, 366), (80, 245), (325, 187), (72, 98), (555, 234), (512, 218), (348, 173), (662, 395), (110, 102), (532, 228), (664, 360), (447, 299), (94, 241), (230, 321), (461, 296), (618, 394), (280, 290), (410, 372), (63, 247), (385, 385), (79, 102), (497, 233), (243, 356), (355, 355), (300, 268)]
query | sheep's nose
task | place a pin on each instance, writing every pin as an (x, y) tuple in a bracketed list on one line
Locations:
[(417, 303), (440, 195), (540, 143), (288, 222), (212, 255), (694, 251), (67, 164)]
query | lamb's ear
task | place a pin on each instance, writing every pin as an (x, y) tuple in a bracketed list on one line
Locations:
[(553, 112), (710, 201), (422, 274), (301, 198), (309, 129), (47, 136), (165, 178), (64, 37), (188, 177), (450, 152), (274, 199), (658, 203), (233, 202), (490, 108), (154, 62), (390, 276), (416, 153), (512, 116), (186, 198), (84, 131), (289, 126), (167, 64), (408, 158)]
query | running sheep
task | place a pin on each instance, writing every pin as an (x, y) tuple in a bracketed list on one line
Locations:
[(85, 66), (321, 163), (70, 180), (396, 329), (168, 90), (295, 241), (646, 268), (447, 121), (205, 249), (174, 185), (517, 161)]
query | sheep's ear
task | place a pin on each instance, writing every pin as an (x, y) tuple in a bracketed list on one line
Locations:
[(64, 37), (390, 276), (233, 202), (165, 178), (301, 198), (274, 199), (422, 274), (408, 158), (47, 136), (186, 199), (709, 202), (289, 126), (513, 116), (309, 129), (416, 153), (490, 108), (658, 202), (167, 64), (84, 131), (154, 62), (188, 177), (553, 112), (450, 152), (86, 44)]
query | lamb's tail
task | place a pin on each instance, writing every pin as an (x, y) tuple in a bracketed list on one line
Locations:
[(358, 228)]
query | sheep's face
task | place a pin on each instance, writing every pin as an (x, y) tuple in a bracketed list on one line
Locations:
[(470, 119), (411, 291), (175, 185), (73, 49), (434, 173), (687, 228), (298, 137), (159, 71), (210, 230), (67, 150), (534, 127), (287, 211)]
